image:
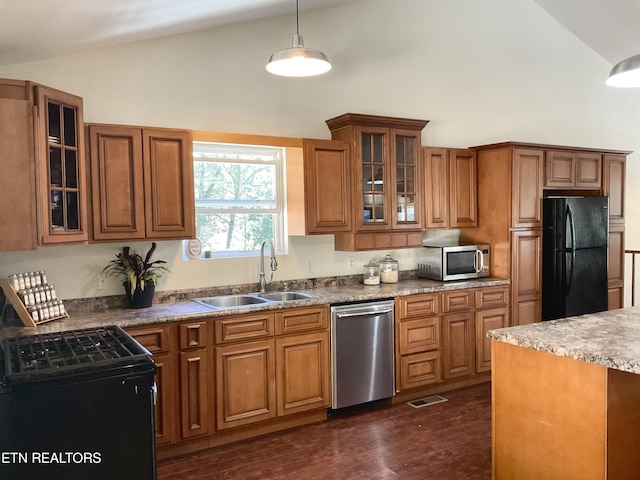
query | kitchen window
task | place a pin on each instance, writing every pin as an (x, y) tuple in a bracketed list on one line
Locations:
[(239, 196)]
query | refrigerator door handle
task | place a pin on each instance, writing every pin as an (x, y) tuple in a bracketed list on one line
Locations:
[(569, 277)]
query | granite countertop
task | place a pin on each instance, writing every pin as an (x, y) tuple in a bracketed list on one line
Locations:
[(610, 339), (191, 310)]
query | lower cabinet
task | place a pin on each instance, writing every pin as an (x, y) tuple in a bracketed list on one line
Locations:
[(245, 383), (441, 337), (194, 399)]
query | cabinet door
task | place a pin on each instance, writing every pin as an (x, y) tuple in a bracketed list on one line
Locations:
[(487, 320), (436, 189), (245, 383), (17, 181), (560, 169), (526, 276), (615, 272), (528, 167), (373, 178), (407, 197), (463, 185), (117, 183), (61, 167), (419, 335), (588, 170), (458, 345), (419, 369), (194, 401), (166, 406), (614, 186), (303, 372), (168, 182), (327, 186)]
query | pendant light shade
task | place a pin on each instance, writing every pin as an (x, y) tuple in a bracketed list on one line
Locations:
[(626, 74), (298, 61)]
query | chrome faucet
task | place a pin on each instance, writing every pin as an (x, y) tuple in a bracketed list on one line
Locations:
[(274, 265)]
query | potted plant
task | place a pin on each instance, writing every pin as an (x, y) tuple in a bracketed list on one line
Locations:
[(139, 275)]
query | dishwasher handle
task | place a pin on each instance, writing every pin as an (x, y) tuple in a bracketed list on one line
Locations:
[(363, 313)]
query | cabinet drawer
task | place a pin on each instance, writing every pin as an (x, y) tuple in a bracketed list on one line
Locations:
[(247, 327), (420, 369), (492, 297), (419, 335), (156, 339), (302, 319), (193, 335), (457, 301), (420, 305)]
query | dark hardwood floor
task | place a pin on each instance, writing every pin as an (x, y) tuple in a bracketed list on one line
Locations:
[(448, 441)]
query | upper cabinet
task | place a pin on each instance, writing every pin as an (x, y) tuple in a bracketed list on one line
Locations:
[(450, 179), (63, 197), (572, 169), (385, 175), (42, 154), (141, 183)]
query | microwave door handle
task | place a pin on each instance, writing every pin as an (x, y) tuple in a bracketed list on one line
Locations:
[(478, 261)]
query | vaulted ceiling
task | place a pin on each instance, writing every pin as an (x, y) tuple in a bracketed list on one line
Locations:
[(37, 29)]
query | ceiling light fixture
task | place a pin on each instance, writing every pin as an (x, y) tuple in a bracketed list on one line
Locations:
[(626, 74), (298, 61)]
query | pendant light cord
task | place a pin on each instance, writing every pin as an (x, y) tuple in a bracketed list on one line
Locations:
[(297, 22)]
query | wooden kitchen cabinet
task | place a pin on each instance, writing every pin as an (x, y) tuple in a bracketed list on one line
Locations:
[(141, 183), (418, 341), (245, 383), (528, 165), (526, 277), (303, 363), (194, 378), (492, 312), (43, 160), (194, 397), (327, 181), (386, 181), (63, 196), (614, 187), (158, 340), (450, 186), (283, 370), (458, 351), (567, 169)]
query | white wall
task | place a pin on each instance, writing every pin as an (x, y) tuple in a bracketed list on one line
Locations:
[(482, 71)]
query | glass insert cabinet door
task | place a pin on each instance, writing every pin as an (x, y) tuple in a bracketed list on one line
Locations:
[(405, 164), (63, 202), (375, 183)]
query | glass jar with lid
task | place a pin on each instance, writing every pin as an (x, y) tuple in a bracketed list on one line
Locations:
[(371, 273), (389, 270)]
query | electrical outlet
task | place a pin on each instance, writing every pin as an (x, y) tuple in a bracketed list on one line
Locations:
[(351, 263), (102, 282), (308, 265)]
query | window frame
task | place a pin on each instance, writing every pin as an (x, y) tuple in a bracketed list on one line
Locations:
[(280, 238)]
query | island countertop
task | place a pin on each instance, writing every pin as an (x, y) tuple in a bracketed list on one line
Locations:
[(610, 339)]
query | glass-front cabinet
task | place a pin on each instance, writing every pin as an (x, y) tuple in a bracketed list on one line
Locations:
[(61, 172)]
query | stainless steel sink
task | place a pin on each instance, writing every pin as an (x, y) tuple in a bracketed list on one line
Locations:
[(231, 301), (247, 300), (284, 296)]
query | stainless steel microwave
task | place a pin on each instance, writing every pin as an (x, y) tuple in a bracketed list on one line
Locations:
[(454, 262)]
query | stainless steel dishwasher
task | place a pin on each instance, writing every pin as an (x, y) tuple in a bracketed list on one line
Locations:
[(362, 354)]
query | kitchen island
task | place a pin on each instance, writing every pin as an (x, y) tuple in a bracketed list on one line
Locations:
[(566, 398)]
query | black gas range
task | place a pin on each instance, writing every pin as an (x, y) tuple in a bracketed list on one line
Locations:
[(77, 404)]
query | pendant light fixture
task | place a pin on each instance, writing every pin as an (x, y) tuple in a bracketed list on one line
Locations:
[(626, 74), (298, 61)]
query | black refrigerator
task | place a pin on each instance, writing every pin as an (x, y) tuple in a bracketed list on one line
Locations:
[(574, 256)]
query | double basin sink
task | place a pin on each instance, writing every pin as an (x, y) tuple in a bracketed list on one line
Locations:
[(251, 299)]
